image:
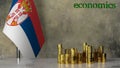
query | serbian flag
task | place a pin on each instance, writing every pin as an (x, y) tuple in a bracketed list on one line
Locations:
[(23, 28)]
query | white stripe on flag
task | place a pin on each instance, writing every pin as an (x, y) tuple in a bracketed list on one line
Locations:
[(18, 36)]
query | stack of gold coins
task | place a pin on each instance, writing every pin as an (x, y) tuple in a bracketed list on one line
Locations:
[(60, 51), (67, 58), (73, 56), (95, 55), (100, 52), (86, 52), (83, 56), (89, 55), (79, 56), (99, 59), (62, 59), (103, 57)]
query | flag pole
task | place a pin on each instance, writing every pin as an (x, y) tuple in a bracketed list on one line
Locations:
[(18, 55)]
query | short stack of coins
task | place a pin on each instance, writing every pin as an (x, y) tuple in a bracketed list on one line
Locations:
[(73, 56), (100, 53), (79, 58), (103, 57), (95, 55), (67, 56), (62, 59)]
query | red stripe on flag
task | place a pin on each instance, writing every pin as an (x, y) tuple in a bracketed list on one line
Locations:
[(36, 23)]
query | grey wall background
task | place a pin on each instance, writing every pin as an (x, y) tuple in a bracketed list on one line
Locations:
[(64, 24)]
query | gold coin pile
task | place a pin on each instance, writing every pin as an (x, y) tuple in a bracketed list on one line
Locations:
[(73, 56)]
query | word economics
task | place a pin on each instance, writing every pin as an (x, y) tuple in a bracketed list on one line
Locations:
[(95, 5)]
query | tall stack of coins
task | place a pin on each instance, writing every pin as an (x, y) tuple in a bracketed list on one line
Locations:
[(86, 52), (89, 54), (73, 56), (60, 52)]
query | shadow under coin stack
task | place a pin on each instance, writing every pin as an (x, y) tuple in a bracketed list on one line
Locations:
[(73, 56)]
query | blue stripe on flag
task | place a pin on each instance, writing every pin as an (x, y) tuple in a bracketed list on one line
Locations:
[(13, 3), (29, 30)]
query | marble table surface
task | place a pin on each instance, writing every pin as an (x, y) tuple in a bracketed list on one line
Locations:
[(52, 63)]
